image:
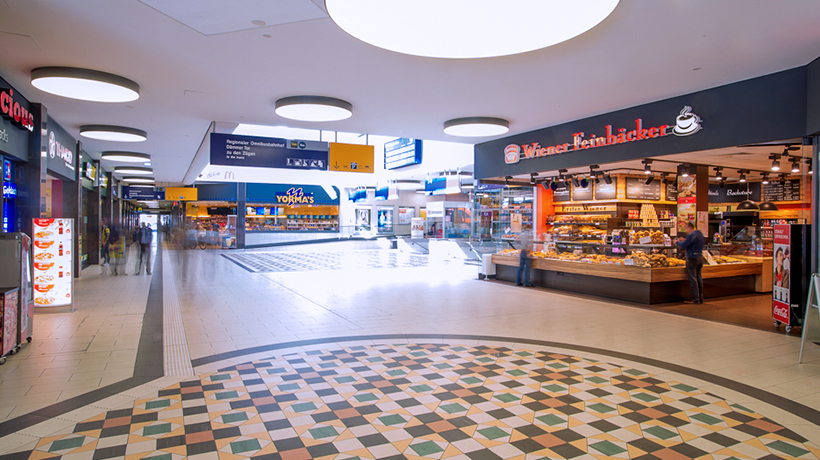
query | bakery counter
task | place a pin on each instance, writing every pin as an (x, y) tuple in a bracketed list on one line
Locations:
[(630, 283)]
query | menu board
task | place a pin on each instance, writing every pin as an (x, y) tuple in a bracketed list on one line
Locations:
[(638, 189), (561, 193), (582, 194), (788, 191), (671, 192), (734, 193), (53, 262), (604, 191)]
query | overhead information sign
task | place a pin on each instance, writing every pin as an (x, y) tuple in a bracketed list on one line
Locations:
[(268, 152), (402, 152), (352, 158)]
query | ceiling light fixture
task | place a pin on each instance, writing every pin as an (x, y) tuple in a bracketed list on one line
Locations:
[(765, 179), (683, 170), (742, 176), (608, 179), (775, 162), (138, 180), (125, 157), (84, 84), (476, 127), (650, 178), (795, 166), (313, 108), (133, 170), (575, 182), (647, 166), (113, 133), (718, 173), (464, 29)]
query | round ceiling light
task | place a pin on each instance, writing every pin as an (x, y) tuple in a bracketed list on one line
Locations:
[(464, 29), (113, 133), (84, 84), (133, 170), (138, 180), (313, 108), (476, 127), (125, 157)]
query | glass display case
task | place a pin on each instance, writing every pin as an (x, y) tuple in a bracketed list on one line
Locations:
[(503, 212)]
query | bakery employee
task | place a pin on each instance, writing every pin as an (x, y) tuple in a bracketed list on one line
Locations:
[(693, 244)]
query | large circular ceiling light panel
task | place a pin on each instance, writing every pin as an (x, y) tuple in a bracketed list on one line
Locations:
[(85, 84), (313, 108), (464, 29), (113, 133)]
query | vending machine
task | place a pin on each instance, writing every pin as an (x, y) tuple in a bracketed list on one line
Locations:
[(790, 274), (16, 272)]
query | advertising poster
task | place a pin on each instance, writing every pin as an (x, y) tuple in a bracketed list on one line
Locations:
[(687, 202), (516, 222), (781, 270), (53, 262), (406, 215), (385, 217), (363, 219)]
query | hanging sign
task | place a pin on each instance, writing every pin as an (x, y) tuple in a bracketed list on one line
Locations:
[(268, 152)]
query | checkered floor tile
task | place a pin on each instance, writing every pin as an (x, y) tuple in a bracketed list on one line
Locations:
[(266, 262), (429, 401)]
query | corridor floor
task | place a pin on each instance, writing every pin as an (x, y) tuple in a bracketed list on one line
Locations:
[(404, 359)]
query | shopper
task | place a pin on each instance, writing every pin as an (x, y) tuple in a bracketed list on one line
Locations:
[(523, 275), (105, 233), (116, 249), (693, 245), (146, 236)]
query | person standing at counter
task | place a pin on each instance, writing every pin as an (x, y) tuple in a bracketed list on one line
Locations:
[(525, 240), (693, 245)]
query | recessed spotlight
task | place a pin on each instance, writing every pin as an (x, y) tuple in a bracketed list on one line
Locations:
[(313, 108), (463, 29), (476, 127), (84, 84), (126, 157), (133, 170), (258, 22), (113, 133), (138, 180)]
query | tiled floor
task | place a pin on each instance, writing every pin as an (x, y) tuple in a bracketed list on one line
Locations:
[(225, 308)]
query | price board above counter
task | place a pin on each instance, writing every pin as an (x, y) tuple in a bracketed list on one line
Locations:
[(790, 190)]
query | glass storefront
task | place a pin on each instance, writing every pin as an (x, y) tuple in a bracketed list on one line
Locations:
[(503, 212)]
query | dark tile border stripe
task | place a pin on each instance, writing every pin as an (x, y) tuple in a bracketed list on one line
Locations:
[(800, 410), (148, 366)]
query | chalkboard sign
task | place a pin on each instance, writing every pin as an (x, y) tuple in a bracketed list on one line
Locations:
[(561, 193), (604, 191), (734, 193), (638, 189), (582, 194), (672, 192), (775, 191)]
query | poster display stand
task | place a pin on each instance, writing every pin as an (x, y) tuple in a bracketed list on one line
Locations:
[(53, 262), (811, 323)]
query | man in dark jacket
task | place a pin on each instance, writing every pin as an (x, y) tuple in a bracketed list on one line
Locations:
[(693, 244), (146, 236)]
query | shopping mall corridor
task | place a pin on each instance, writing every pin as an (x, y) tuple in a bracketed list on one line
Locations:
[(337, 352)]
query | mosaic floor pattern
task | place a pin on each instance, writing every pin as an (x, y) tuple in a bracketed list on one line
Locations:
[(267, 262), (428, 401)]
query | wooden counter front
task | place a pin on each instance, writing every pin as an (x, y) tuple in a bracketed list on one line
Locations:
[(635, 284)]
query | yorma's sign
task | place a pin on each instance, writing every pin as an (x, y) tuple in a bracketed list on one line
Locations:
[(686, 124), (294, 196)]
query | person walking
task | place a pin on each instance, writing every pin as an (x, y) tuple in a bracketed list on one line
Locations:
[(693, 245), (523, 275), (105, 239), (146, 236)]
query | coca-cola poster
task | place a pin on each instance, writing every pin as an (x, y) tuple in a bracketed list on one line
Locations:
[(781, 274)]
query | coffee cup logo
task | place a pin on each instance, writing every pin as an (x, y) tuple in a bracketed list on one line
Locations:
[(512, 154), (687, 123)]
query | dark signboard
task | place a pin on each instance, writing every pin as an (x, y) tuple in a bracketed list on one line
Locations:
[(62, 151), (268, 152), (583, 194), (143, 193), (402, 152), (604, 191), (788, 191), (638, 189), (672, 192), (561, 193), (734, 193), (15, 133)]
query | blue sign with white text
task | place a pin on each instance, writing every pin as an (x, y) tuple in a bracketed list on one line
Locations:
[(143, 193), (268, 152)]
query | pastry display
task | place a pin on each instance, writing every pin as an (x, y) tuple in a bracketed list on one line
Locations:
[(641, 259), (594, 218), (655, 235), (728, 260)]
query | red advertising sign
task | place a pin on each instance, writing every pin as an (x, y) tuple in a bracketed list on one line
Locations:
[(781, 267)]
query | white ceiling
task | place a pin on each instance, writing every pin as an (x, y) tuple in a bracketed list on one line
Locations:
[(645, 51)]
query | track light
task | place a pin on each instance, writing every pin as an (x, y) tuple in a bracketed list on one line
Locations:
[(650, 178), (683, 170), (795, 167), (597, 178), (775, 162), (664, 179), (742, 176), (575, 181), (810, 165), (765, 179), (608, 179), (532, 178), (647, 166), (719, 174)]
